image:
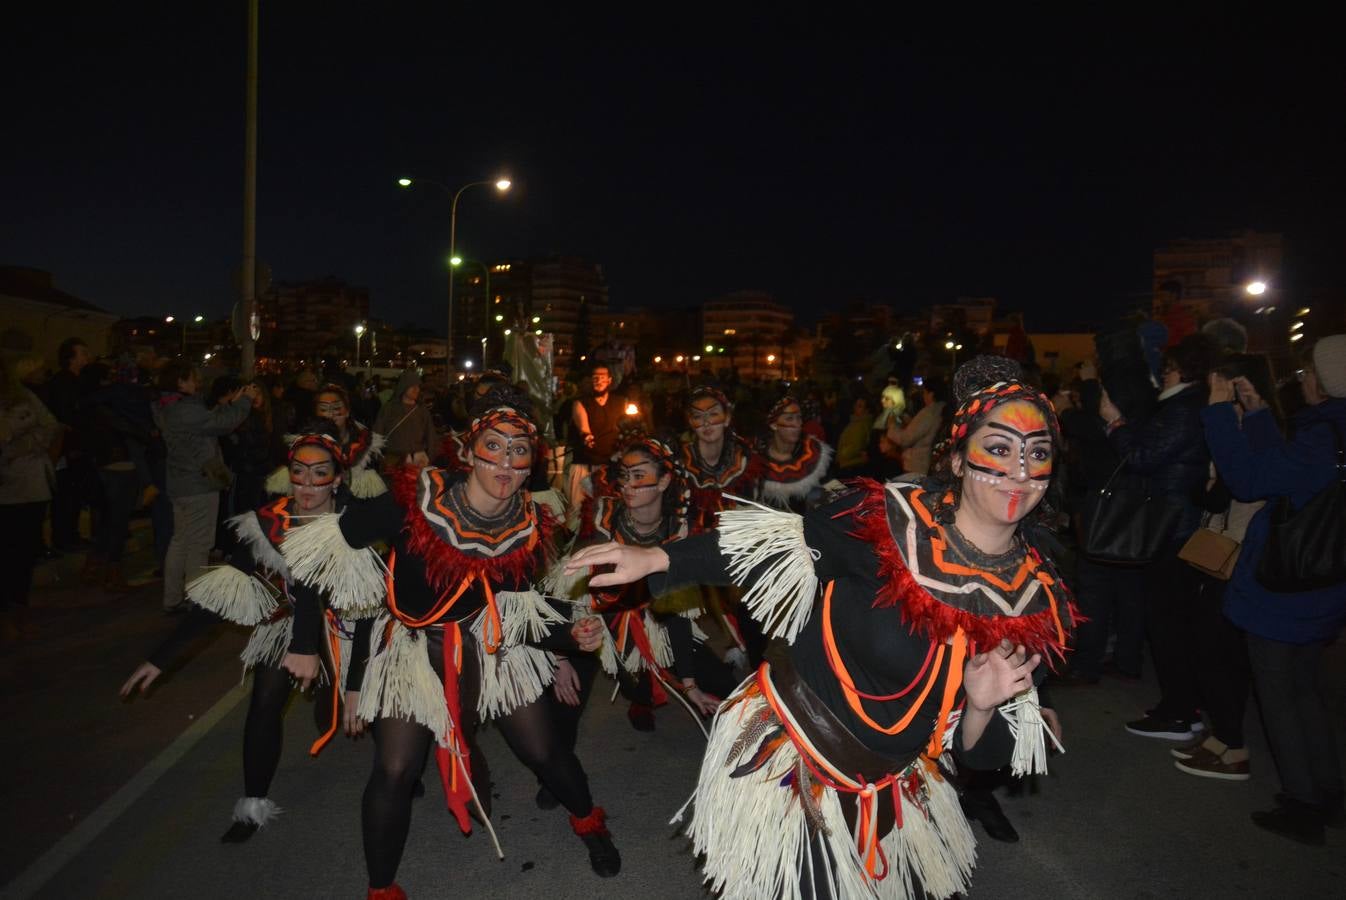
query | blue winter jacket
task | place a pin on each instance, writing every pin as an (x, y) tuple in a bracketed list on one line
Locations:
[(1257, 468)]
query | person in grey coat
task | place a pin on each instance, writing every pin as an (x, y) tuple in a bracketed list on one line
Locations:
[(407, 424), (195, 468)]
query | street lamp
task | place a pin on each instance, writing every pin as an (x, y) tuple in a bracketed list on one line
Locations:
[(486, 301), (359, 332), (501, 185), (953, 349), (1255, 288)]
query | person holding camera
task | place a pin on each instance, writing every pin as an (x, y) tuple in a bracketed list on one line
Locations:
[(196, 472)]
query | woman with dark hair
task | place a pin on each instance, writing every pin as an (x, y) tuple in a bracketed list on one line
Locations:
[(464, 639), (1168, 451), (795, 464), (716, 460), (642, 500), (916, 616), (360, 447), (298, 633)]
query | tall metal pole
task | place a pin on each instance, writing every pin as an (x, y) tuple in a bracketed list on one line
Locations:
[(248, 348), (453, 251)]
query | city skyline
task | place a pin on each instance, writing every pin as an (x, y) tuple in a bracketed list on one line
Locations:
[(1044, 174)]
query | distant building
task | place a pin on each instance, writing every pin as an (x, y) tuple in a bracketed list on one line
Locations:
[(564, 294), (38, 316), (1206, 278), (751, 326), (975, 314), (311, 321)]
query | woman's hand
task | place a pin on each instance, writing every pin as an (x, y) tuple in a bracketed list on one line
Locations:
[(141, 679), (303, 666), (991, 678), (588, 633), (631, 563), (1249, 399), (1088, 371), (566, 685), (1107, 410), (355, 726), (704, 703), (1221, 389)]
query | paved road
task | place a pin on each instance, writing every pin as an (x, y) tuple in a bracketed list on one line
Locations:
[(108, 800)]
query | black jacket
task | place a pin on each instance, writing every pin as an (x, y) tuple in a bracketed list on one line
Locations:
[(1169, 450)]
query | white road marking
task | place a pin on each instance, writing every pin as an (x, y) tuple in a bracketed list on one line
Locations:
[(31, 880)]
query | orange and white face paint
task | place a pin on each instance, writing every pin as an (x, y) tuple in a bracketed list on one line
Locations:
[(314, 477), (708, 418), (1007, 463), (502, 458), (332, 407), (641, 480), (788, 424)]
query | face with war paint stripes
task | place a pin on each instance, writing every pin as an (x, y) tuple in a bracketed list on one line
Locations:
[(1007, 463)]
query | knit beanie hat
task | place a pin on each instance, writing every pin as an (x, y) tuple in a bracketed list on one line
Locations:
[(1329, 362)]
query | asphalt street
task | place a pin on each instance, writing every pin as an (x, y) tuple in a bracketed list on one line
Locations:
[(112, 799)]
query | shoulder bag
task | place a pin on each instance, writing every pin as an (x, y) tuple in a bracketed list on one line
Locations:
[(1125, 522), (1306, 550)]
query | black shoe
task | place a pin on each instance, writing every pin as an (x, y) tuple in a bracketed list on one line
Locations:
[(1297, 822), (1166, 729), (642, 717), (545, 799), (985, 809), (603, 856), (239, 832), (1331, 812)]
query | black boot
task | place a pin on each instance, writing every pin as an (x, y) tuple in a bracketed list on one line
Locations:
[(238, 833), (1294, 820), (545, 799), (984, 808), (593, 830)]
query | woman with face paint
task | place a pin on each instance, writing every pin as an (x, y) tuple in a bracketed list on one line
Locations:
[(298, 634), (643, 502), (795, 463), (913, 618), (360, 447), (464, 639), (716, 460)]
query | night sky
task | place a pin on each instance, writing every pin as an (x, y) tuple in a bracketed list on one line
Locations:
[(819, 160)]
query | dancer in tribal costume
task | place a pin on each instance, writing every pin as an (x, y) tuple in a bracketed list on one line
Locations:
[(298, 635), (917, 615), (795, 464), (643, 502), (462, 641), (360, 447)]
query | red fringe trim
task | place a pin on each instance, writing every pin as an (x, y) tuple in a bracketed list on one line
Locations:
[(939, 621), (446, 566), (594, 823)]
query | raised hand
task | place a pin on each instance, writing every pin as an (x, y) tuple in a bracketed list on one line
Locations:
[(629, 563)]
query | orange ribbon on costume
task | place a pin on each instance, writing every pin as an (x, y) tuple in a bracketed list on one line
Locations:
[(334, 644)]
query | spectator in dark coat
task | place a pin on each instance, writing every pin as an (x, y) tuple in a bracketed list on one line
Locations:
[(1169, 451), (1288, 632), (75, 475)]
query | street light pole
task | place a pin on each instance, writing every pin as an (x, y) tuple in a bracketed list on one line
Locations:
[(359, 331), (455, 261), (501, 185)]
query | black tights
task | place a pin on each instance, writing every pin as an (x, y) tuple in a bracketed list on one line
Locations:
[(531, 731), (265, 728)]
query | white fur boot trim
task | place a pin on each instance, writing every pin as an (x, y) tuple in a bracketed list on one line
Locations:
[(256, 811)]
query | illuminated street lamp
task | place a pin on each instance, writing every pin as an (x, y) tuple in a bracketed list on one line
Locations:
[(1255, 288), (659, 359), (359, 331), (486, 300), (953, 349), (501, 185)]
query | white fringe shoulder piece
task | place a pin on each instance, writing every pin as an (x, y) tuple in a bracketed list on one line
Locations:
[(769, 559), (249, 531), (318, 555), (366, 483), (233, 595)]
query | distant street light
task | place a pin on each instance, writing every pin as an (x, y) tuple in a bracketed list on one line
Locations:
[(359, 332), (501, 185), (659, 359), (1255, 288)]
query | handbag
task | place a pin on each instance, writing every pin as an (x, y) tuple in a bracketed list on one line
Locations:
[(1306, 550), (1126, 524), (1212, 552)]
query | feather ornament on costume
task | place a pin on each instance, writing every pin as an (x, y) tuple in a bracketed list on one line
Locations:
[(768, 556), (233, 595), (353, 579), (780, 484)]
